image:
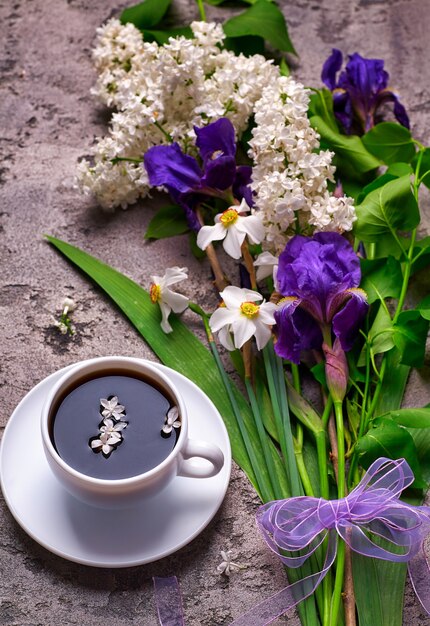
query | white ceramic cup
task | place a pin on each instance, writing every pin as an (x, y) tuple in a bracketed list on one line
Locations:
[(189, 457)]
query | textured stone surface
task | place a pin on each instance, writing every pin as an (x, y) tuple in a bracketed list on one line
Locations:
[(48, 121)]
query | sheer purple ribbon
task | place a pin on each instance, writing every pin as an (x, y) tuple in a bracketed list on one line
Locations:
[(373, 509)]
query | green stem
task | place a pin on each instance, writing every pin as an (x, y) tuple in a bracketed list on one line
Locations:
[(116, 160), (340, 558), (338, 583), (276, 486), (165, 133), (327, 410), (263, 486), (301, 466), (296, 377), (320, 439), (340, 449), (201, 10)]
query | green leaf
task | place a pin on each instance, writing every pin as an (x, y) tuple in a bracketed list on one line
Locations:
[(374, 581), (181, 350), (394, 171), (284, 70), (318, 372), (390, 142), (263, 19), (146, 14), (321, 105), (247, 45), (410, 334), (421, 255), (411, 418), (389, 208), (167, 222), (390, 440), (421, 437), (424, 308), (381, 279), (394, 383), (349, 148), (380, 334), (353, 417), (424, 172), (162, 36)]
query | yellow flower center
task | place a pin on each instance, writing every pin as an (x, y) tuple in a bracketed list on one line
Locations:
[(249, 309), (154, 292), (229, 217)]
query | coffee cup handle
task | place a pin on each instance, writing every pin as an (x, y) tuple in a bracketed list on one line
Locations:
[(190, 467)]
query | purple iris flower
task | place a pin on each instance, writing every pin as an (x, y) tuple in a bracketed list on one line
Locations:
[(360, 89), (186, 180), (318, 277)]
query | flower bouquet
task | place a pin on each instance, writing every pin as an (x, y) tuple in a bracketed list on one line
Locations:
[(316, 200)]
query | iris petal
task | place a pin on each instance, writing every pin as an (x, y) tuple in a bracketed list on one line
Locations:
[(168, 166), (216, 137), (296, 330), (347, 321), (331, 68), (219, 173)]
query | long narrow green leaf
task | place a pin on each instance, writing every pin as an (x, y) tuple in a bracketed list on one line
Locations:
[(180, 350)]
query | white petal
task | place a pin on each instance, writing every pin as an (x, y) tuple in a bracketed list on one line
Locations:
[(233, 242), (266, 313), (120, 426), (224, 337), (176, 301), (96, 443), (165, 312), (243, 330), (108, 423), (221, 567), (266, 264), (233, 296), (243, 207), (177, 424), (262, 335), (106, 448), (253, 227), (167, 428), (173, 412), (207, 234), (104, 402), (174, 275), (222, 317)]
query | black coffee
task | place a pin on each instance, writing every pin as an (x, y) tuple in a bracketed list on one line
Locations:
[(138, 447)]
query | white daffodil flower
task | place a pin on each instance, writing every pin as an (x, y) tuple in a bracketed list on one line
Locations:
[(172, 420), (267, 265), (232, 227), (227, 565), (243, 318), (112, 408), (106, 443), (167, 299), (113, 429)]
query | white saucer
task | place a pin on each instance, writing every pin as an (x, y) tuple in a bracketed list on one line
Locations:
[(84, 534)]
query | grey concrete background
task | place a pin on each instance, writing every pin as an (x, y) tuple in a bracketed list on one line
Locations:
[(48, 120)]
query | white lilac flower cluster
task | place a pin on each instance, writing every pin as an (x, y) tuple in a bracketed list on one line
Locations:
[(160, 92), (289, 176), (110, 432)]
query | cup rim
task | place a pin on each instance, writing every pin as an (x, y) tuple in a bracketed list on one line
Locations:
[(116, 482)]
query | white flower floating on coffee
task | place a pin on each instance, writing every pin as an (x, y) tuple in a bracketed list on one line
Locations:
[(110, 430), (112, 408), (173, 420)]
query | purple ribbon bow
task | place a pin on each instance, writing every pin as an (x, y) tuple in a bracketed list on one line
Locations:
[(372, 509)]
